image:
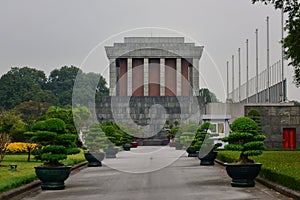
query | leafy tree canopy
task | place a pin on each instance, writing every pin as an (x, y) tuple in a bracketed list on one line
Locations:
[(209, 96), (23, 84)]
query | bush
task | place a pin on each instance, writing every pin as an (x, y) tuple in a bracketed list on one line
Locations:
[(21, 147), (95, 139), (55, 142), (245, 138)]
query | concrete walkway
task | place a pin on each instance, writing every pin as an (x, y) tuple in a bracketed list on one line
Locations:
[(165, 174)]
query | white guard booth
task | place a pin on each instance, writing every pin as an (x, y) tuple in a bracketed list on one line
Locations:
[(219, 126)]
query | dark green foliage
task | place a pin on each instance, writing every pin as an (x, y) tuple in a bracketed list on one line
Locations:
[(44, 137), (244, 124), (23, 84), (209, 96), (55, 125), (245, 138), (95, 138), (55, 142), (203, 138), (117, 135)]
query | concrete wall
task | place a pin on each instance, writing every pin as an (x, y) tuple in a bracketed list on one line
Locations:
[(137, 108), (274, 118)]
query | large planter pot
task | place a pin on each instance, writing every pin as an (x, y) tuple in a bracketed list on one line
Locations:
[(94, 159), (208, 159), (192, 152), (111, 152), (243, 175), (53, 178), (134, 144), (126, 147), (178, 146)]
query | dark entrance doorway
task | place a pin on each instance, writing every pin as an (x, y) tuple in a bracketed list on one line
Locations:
[(289, 138)]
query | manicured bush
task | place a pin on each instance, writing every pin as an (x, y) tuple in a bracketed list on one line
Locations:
[(282, 167), (55, 142), (203, 139), (245, 138), (95, 139), (117, 135)]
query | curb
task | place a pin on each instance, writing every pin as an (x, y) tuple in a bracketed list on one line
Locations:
[(279, 188), (23, 189)]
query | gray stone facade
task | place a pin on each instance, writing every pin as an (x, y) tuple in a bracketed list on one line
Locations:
[(274, 119), (137, 108)]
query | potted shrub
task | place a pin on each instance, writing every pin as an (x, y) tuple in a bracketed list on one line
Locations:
[(114, 136), (205, 144), (55, 144), (245, 138), (126, 141), (95, 141), (187, 135)]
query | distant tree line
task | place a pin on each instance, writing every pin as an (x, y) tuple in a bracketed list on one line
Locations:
[(29, 87)]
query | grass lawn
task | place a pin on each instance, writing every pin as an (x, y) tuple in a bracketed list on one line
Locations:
[(25, 171), (282, 167)]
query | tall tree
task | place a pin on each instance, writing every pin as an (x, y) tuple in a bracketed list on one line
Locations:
[(89, 86), (23, 84), (209, 96), (291, 42), (61, 82)]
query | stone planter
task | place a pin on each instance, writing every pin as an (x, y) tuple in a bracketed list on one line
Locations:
[(94, 159), (134, 144), (111, 152), (243, 175), (126, 147), (53, 178), (208, 159), (192, 152)]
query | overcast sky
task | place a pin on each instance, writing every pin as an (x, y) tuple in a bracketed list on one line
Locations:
[(49, 34)]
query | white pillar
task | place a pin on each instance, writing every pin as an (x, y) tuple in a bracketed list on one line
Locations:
[(195, 76), (112, 77), (129, 76), (178, 74), (162, 77), (146, 76)]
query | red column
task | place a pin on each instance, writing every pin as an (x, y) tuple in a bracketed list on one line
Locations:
[(170, 77), (154, 77), (123, 77), (137, 77)]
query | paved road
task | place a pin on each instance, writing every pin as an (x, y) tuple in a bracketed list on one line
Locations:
[(182, 179)]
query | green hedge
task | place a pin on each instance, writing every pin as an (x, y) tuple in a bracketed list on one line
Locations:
[(282, 167)]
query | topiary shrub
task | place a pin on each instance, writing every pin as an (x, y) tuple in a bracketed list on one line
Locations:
[(203, 139), (95, 139), (55, 143), (246, 138)]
